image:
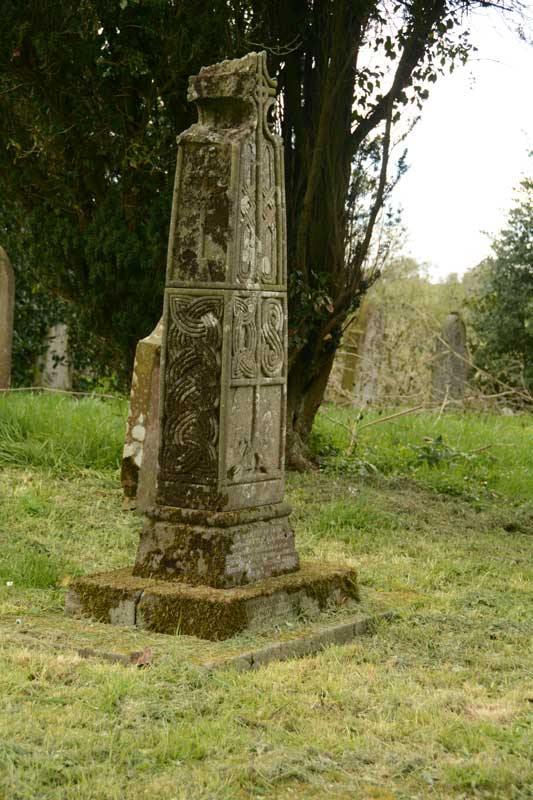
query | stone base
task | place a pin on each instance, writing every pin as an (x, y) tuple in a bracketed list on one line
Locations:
[(221, 549), (120, 598)]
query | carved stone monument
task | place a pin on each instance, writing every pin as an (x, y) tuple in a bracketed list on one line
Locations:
[(217, 550), (450, 368), (7, 309)]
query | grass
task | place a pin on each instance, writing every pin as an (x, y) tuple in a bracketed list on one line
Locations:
[(60, 434), (435, 705)]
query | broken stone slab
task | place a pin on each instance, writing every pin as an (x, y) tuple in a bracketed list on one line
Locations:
[(139, 457), (119, 597), (7, 310)]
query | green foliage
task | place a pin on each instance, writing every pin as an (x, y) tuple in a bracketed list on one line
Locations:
[(390, 343), (502, 299), (94, 361), (434, 451), (470, 455), (92, 95)]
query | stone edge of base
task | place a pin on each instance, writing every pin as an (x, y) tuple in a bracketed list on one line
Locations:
[(164, 607), (339, 634), (307, 645)]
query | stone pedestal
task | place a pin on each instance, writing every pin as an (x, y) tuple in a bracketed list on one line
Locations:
[(217, 545), (121, 598), (221, 549)]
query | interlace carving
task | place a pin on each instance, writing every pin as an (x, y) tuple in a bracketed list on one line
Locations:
[(272, 353), (192, 389), (244, 362), (246, 260), (269, 259)]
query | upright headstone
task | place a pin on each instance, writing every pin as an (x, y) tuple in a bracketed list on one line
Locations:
[(366, 385), (217, 551), (450, 368), (55, 367), (7, 310), (139, 457)]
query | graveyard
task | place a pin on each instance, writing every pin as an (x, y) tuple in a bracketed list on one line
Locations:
[(266, 486), (433, 702)]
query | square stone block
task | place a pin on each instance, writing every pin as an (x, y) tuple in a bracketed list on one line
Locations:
[(219, 549)]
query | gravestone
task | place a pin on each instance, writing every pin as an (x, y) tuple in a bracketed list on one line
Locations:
[(366, 385), (7, 310), (55, 367), (139, 457), (450, 367), (217, 551)]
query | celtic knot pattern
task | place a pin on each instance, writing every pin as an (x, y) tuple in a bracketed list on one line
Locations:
[(269, 237), (244, 361), (192, 389), (246, 261), (272, 352)]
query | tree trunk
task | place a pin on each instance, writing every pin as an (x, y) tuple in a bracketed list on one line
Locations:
[(308, 378)]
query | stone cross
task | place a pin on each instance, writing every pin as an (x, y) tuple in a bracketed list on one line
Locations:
[(217, 552), (224, 355), (450, 369), (7, 310)]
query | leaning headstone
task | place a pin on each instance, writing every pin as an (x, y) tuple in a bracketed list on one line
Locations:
[(450, 367), (7, 308), (55, 367), (139, 457), (217, 551)]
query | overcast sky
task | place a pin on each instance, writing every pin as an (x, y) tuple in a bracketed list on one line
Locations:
[(470, 149)]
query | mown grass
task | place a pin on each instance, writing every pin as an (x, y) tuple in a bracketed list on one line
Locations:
[(435, 705)]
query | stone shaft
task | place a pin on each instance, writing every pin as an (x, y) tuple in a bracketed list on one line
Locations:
[(224, 364), (7, 309)]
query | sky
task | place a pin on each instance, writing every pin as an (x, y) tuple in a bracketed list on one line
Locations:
[(470, 150)]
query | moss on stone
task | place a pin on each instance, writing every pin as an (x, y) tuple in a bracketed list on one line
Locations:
[(209, 613)]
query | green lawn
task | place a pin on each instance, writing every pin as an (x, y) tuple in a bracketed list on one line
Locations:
[(436, 704)]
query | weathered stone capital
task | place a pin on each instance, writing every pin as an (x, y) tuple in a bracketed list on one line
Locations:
[(244, 78)]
